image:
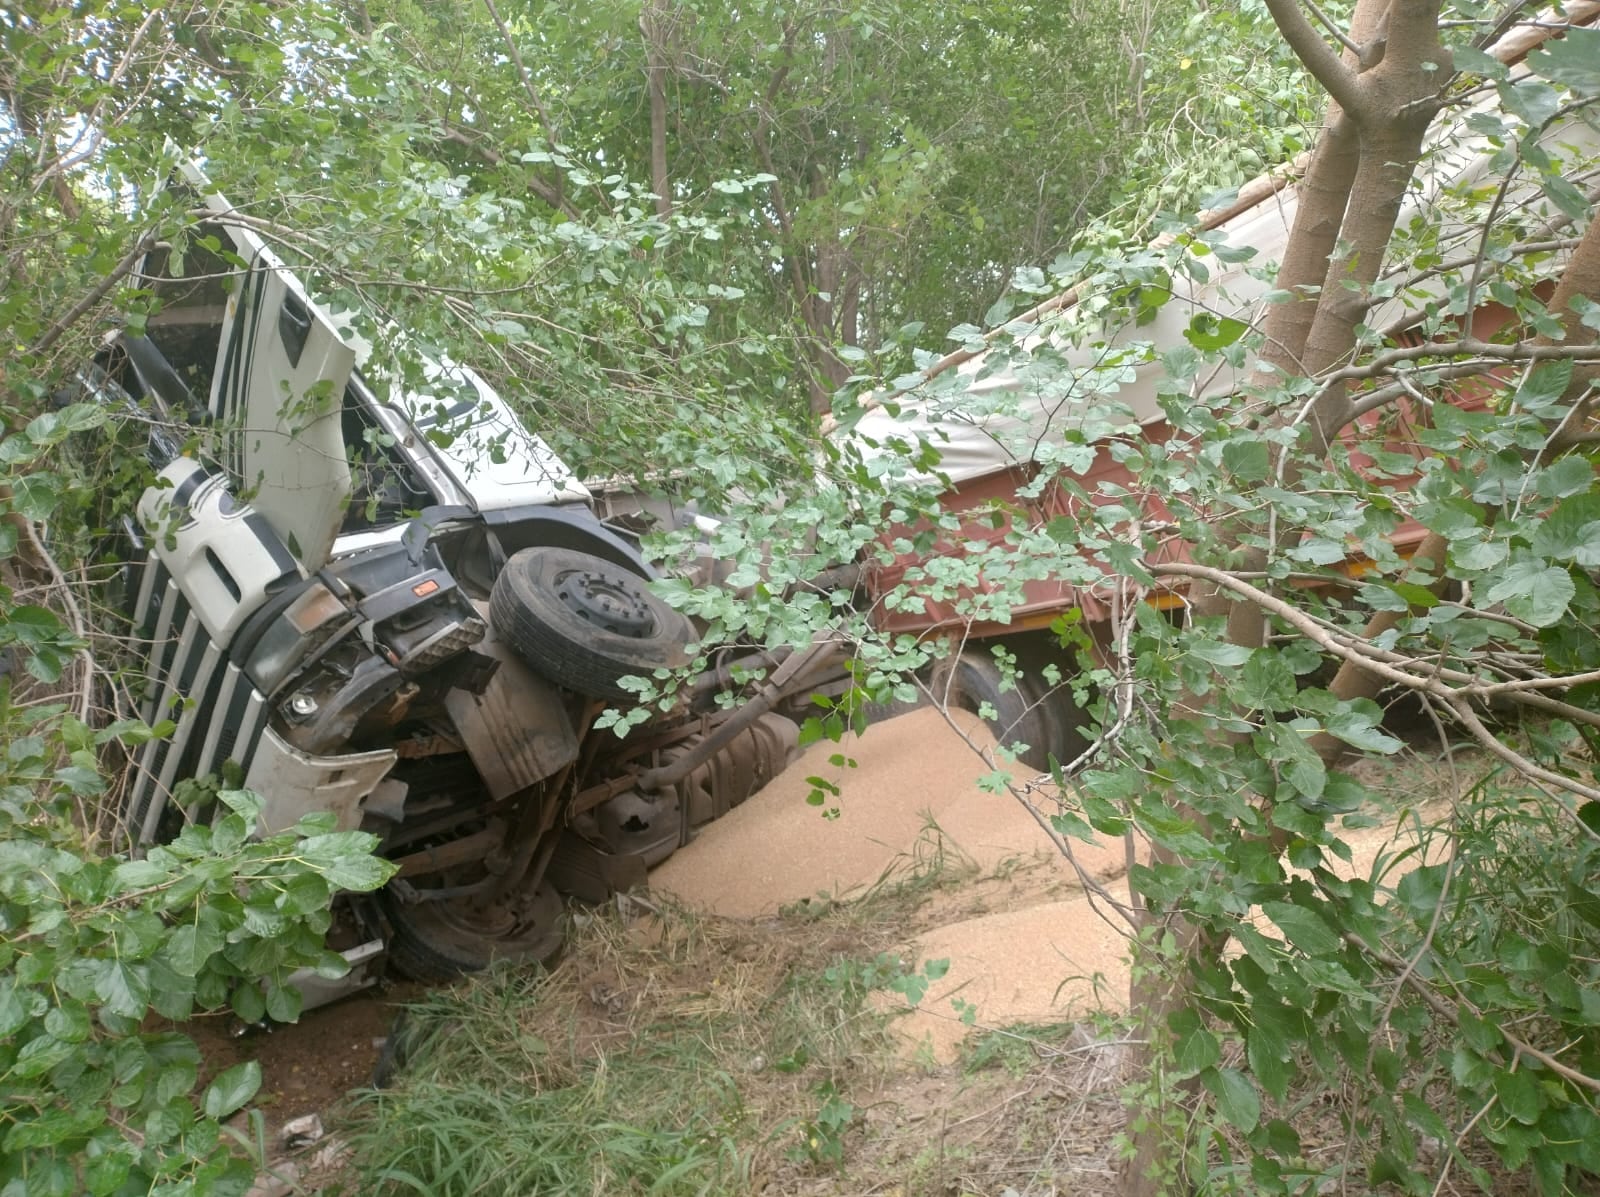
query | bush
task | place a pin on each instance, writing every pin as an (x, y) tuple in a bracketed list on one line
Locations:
[(96, 1096)]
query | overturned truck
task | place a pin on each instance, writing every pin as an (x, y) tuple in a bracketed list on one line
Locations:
[(385, 600)]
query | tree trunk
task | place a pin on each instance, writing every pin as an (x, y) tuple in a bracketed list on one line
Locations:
[(1580, 280), (654, 25), (1385, 96)]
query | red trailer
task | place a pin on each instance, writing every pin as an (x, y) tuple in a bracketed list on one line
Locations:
[(996, 412)]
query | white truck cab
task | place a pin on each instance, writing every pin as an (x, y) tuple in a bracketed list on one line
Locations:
[(369, 591)]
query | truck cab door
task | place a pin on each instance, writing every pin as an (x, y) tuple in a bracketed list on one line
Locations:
[(277, 396)]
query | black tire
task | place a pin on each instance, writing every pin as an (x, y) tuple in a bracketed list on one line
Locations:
[(1023, 712), (440, 941), (584, 623)]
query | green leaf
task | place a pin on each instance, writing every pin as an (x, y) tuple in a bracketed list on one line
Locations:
[(1589, 815), (1267, 682), (1419, 891), (68, 1022), (41, 1053), (1573, 60), (1247, 461), (123, 987), (344, 858), (244, 803), (1237, 1099), (360, 874), (1416, 596), (191, 946), (1305, 929), (1535, 592), (17, 1006), (1519, 1095), (1194, 1047), (1208, 333), (249, 1003), (1301, 767), (303, 894), (1569, 476), (1531, 100), (1478, 555), (232, 1089), (1571, 531), (133, 875), (1269, 1060), (106, 1173), (35, 496), (284, 1003), (1359, 730), (1217, 652)]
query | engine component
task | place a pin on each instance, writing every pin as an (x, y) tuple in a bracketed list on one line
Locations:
[(632, 824), (755, 757)]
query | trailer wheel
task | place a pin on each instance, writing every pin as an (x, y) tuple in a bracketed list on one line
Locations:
[(585, 623), (437, 941), (1022, 712)]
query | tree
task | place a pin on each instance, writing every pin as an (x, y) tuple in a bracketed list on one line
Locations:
[(591, 204), (868, 136), (1288, 437)]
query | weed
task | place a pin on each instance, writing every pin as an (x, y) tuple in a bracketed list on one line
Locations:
[(822, 1138), (666, 1055), (493, 1102), (1016, 1049)]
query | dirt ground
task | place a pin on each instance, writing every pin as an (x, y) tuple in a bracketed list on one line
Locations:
[(306, 1068), (1028, 936)]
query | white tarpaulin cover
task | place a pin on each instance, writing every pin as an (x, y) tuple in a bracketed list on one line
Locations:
[(1010, 405)]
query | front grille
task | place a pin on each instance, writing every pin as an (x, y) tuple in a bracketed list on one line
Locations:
[(219, 716)]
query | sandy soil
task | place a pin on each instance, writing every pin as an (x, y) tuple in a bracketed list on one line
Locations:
[(1052, 953)]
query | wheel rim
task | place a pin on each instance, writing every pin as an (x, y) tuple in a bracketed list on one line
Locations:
[(517, 916), (437, 941), (611, 602)]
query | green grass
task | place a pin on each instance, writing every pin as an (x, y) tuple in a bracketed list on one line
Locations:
[(675, 1055), (488, 1104)]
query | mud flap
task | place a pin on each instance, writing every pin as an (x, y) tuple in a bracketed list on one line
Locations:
[(294, 783), (516, 731)]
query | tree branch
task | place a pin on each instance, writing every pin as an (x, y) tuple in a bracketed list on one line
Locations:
[(545, 119), (552, 193), (1455, 698), (1324, 65), (1449, 1012), (652, 29), (98, 292), (476, 142), (1332, 27)]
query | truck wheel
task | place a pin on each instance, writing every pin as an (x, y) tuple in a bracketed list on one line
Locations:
[(1021, 713), (439, 941), (585, 623)]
